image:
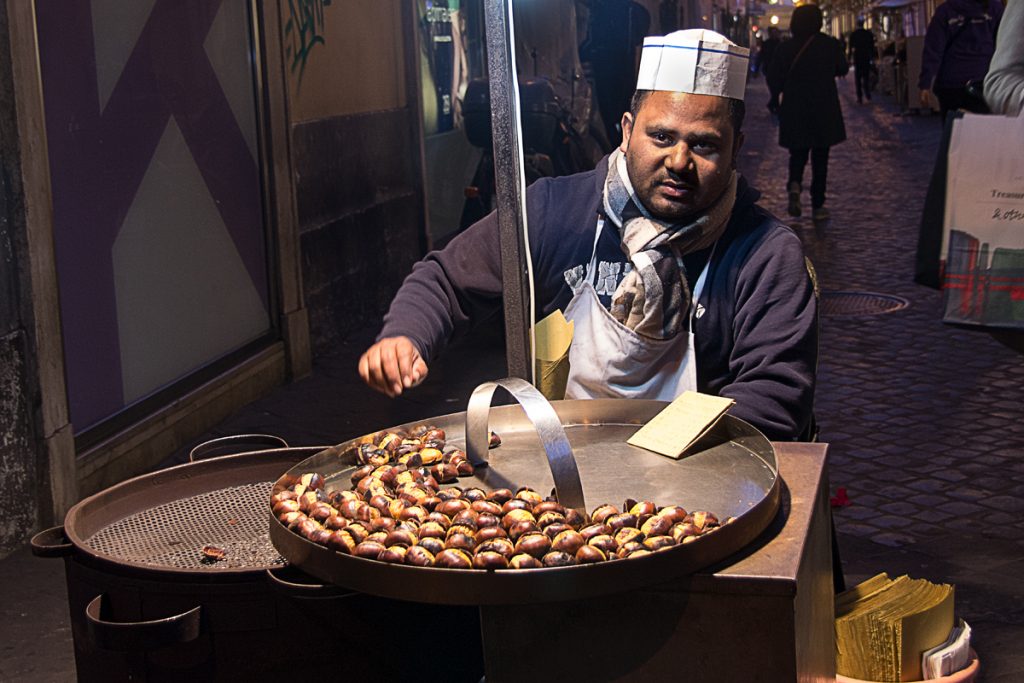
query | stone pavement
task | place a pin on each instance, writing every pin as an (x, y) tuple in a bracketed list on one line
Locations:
[(923, 420)]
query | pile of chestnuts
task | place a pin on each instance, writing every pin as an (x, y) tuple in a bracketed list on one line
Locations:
[(400, 510)]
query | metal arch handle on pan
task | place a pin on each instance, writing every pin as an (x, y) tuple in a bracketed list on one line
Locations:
[(127, 636), (245, 444), (52, 542), (544, 420)]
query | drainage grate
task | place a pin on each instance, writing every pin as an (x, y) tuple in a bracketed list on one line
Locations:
[(173, 534), (859, 303)]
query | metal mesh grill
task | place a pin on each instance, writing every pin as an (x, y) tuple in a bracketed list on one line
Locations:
[(233, 519), (860, 303)]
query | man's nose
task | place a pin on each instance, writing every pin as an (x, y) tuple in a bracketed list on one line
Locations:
[(679, 159)]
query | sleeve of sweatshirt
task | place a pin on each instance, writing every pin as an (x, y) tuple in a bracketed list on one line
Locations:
[(452, 289), (775, 339), (1004, 84)]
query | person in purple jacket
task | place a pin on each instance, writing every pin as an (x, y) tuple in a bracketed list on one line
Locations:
[(672, 275), (958, 47)]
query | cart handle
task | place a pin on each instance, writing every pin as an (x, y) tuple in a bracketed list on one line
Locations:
[(129, 636), (545, 421)]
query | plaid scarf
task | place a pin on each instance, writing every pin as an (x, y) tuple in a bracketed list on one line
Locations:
[(654, 298)]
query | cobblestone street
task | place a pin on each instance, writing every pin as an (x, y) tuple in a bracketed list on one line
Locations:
[(924, 420)]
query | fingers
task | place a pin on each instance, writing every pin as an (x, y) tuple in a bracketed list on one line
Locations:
[(391, 365)]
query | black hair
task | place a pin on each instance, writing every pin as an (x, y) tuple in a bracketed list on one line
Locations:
[(805, 21), (737, 109)]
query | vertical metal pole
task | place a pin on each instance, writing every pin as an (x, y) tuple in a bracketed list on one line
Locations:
[(510, 187)]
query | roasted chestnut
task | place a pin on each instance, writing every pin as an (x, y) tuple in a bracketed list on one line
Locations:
[(460, 529), (307, 500), (674, 513), (336, 522), (411, 459), (605, 543), (312, 481), (400, 537), (378, 537), (430, 456), (603, 512), (576, 519), (466, 517), (445, 473), (500, 496), (453, 558), (413, 512), (628, 534), (493, 440), (684, 530), (419, 556), (341, 542), (658, 525), (704, 520), (621, 520), (588, 554), (515, 504), (474, 494), (516, 516), (439, 518), (434, 545), (390, 442), (643, 508), (490, 560), (320, 536), (550, 517), (530, 496), (452, 507), (291, 519), (395, 554), (624, 550), (430, 529), (485, 520), (568, 541), (558, 559), (489, 532), (460, 541), (552, 530), (283, 495), (320, 511), (358, 531), (383, 524), (536, 544), (450, 493), (589, 532), (286, 505), (369, 550), (502, 546), (520, 528), (524, 562), (659, 542)]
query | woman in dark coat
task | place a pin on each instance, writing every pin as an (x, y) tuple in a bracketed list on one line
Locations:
[(804, 70)]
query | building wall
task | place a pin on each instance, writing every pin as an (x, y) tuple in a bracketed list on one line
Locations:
[(355, 135), (19, 471)]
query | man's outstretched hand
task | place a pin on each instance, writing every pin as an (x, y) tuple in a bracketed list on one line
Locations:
[(392, 365)]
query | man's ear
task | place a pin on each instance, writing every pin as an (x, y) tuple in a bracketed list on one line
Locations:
[(627, 130), (736, 145)]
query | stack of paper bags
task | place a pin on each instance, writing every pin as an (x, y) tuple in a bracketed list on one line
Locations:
[(884, 625), (552, 338)]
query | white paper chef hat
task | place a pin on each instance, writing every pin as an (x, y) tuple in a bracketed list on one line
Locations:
[(695, 61)]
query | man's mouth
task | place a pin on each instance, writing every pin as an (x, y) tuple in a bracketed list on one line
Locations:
[(676, 190)]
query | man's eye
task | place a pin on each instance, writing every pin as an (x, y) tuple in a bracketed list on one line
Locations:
[(704, 147), (661, 138)]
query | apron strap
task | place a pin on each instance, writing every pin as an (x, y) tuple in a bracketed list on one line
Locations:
[(698, 288), (592, 266)]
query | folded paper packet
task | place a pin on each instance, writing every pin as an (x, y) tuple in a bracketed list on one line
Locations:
[(552, 338)]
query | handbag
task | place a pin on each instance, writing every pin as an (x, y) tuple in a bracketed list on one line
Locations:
[(983, 227)]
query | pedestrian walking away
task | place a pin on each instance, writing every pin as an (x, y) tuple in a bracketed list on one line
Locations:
[(862, 53), (804, 70), (958, 47)]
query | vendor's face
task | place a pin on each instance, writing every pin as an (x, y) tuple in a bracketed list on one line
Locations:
[(680, 152)]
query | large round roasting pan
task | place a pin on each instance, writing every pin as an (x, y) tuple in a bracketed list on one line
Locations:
[(731, 471)]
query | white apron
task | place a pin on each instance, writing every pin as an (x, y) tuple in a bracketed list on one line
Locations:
[(609, 360)]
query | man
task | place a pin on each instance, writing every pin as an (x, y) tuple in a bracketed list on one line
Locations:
[(958, 47), (673, 277), (862, 53)]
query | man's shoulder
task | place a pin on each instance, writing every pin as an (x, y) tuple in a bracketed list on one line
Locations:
[(756, 230)]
